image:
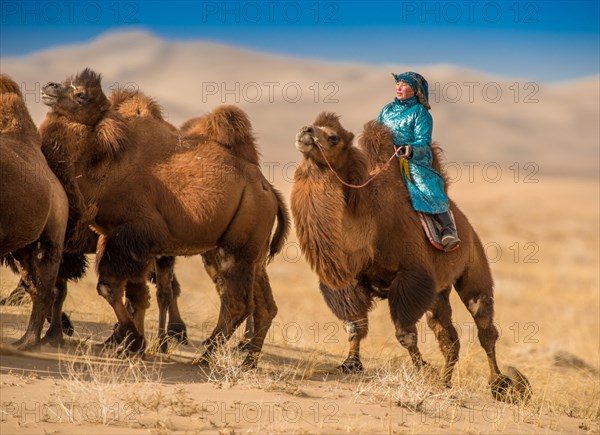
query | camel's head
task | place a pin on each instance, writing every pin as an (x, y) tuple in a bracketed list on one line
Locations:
[(326, 137), (79, 98)]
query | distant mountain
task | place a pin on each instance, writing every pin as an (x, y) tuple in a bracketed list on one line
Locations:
[(478, 119)]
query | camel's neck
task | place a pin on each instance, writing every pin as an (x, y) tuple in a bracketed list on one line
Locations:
[(83, 144), (334, 241)]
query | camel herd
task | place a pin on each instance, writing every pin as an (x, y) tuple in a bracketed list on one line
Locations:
[(110, 175)]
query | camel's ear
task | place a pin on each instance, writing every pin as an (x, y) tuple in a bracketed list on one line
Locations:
[(349, 138)]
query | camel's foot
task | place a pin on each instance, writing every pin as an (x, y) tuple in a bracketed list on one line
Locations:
[(250, 362), (54, 336), (28, 342), (204, 360), (245, 345), (429, 371), (132, 345), (163, 343), (352, 366), (513, 389), (114, 338), (67, 325), (178, 331), (129, 341), (17, 297)]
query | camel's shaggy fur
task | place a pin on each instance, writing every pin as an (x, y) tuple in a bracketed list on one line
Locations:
[(34, 211), (368, 242), (171, 200)]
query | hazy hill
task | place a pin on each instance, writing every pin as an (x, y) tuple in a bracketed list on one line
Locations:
[(478, 118)]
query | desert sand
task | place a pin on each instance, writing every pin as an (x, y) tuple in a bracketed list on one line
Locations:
[(536, 211)]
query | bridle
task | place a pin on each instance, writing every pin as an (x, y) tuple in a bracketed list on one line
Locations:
[(355, 186)]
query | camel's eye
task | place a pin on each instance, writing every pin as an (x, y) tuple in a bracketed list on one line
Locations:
[(333, 140), (81, 96)]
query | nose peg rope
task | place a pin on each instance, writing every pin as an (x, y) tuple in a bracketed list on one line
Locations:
[(360, 186)]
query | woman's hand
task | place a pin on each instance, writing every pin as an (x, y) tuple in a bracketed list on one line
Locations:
[(405, 151)]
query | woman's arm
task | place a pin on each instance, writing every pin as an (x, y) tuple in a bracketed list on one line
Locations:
[(421, 146)]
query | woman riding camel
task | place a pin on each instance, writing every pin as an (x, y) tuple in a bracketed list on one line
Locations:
[(411, 124)]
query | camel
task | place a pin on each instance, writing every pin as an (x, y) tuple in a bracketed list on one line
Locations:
[(153, 201), (81, 240), (367, 243), (34, 212)]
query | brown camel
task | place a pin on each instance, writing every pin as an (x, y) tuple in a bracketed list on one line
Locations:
[(367, 243), (34, 212), (152, 201), (81, 240)]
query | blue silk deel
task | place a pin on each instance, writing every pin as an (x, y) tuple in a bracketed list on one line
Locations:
[(412, 124)]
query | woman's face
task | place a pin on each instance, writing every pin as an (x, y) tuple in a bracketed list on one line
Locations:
[(404, 91)]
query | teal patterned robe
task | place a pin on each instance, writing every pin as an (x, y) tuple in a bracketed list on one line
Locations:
[(412, 124)]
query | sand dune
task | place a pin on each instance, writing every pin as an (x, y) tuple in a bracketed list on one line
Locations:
[(478, 118)]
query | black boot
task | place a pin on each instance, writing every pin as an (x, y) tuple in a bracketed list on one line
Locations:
[(449, 237)]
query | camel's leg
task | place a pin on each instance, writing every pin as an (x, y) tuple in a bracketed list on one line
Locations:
[(439, 320), (176, 327), (411, 294), (54, 334), (265, 310), (18, 295), (72, 267), (476, 292), (123, 255), (125, 332), (350, 304), (164, 296), (357, 330), (233, 279), (39, 267), (138, 298), (244, 344)]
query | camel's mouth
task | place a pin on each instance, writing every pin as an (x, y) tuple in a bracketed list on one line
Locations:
[(48, 100), (305, 140), (50, 93)]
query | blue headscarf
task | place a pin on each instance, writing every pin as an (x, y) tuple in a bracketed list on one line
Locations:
[(418, 84)]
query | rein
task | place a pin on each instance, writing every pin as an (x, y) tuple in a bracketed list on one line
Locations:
[(356, 186)]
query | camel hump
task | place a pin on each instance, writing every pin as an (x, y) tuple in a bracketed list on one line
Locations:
[(377, 142), (134, 103), (230, 127), (14, 116), (437, 159), (9, 86)]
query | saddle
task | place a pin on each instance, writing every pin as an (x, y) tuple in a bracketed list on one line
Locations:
[(433, 230)]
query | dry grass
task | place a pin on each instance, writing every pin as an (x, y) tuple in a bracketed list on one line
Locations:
[(547, 311)]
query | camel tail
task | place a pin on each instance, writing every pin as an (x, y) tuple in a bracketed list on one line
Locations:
[(283, 227)]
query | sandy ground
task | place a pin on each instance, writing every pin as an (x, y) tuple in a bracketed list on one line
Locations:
[(542, 241)]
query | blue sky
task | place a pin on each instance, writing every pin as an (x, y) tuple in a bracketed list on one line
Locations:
[(542, 40)]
